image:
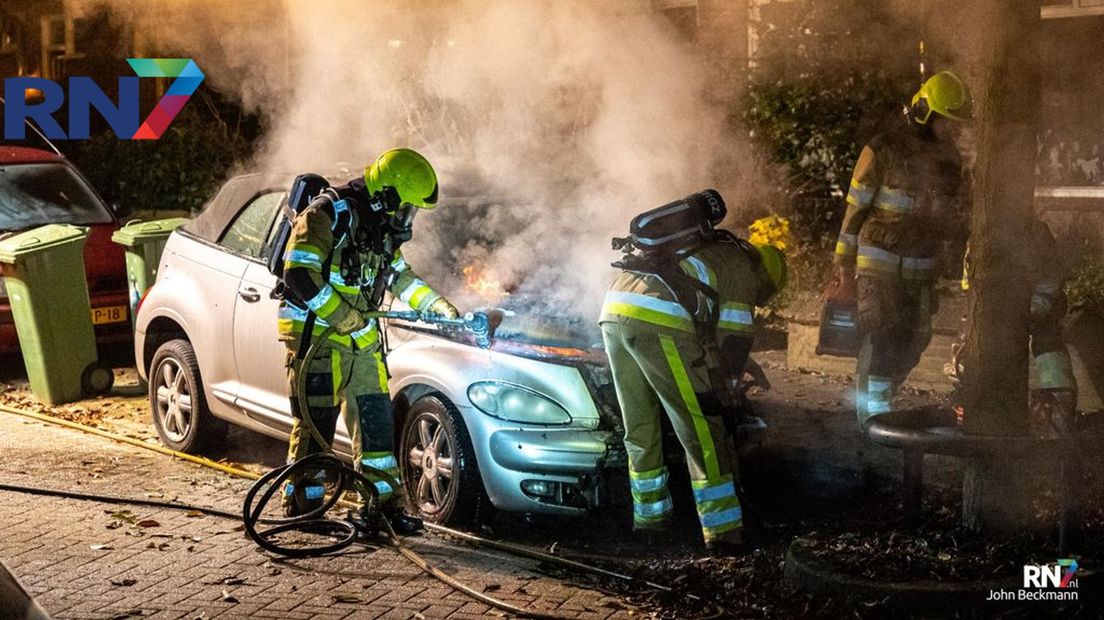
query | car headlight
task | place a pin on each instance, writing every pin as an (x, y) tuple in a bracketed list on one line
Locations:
[(516, 404)]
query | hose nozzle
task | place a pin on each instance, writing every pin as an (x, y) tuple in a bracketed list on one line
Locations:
[(480, 326)]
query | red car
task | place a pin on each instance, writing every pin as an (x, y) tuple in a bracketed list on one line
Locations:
[(39, 187)]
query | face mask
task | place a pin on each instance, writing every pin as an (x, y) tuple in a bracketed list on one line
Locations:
[(401, 222), (385, 201)]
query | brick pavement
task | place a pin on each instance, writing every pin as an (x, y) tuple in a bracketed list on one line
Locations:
[(82, 561)]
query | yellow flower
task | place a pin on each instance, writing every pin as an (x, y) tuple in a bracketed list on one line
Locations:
[(771, 230)]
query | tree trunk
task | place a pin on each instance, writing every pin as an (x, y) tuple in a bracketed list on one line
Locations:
[(996, 382)]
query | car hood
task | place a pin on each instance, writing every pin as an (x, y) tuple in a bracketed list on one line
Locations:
[(529, 333)]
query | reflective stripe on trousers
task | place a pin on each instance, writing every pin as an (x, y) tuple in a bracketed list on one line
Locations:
[(686, 391), (385, 462), (718, 506), (652, 378), (879, 394), (652, 504)]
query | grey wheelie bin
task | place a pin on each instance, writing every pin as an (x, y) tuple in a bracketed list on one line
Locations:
[(43, 271)]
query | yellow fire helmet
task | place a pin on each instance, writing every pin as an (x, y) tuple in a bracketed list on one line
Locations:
[(773, 262), (944, 94), (408, 173)]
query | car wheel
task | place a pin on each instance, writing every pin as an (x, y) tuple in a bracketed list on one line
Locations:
[(179, 408), (438, 463)]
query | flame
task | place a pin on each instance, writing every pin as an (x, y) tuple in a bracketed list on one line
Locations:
[(484, 283)]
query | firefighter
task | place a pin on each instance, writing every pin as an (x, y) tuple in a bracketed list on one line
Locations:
[(1053, 367), (333, 276), (660, 356), (902, 198)]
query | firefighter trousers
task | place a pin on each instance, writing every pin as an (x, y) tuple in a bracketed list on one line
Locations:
[(354, 385), (895, 320), (654, 367)]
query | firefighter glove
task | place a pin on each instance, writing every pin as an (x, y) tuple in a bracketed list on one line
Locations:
[(351, 322), (444, 308)]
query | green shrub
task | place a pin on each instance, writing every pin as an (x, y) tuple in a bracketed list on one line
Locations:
[(816, 129), (179, 171), (1085, 288)]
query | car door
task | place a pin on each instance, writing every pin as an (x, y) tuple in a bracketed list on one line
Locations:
[(258, 353)]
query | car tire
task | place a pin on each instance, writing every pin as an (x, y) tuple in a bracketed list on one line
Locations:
[(454, 499), (177, 404), (97, 379)]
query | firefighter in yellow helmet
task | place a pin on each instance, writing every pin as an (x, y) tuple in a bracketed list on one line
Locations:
[(902, 196), (342, 255), (677, 326)]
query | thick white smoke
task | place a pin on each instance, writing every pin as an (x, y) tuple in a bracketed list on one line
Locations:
[(564, 117)]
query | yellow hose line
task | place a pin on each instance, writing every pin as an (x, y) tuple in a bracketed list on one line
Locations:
[(395, 540), (198, 460)]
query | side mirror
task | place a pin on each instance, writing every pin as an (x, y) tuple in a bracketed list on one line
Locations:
[(121, 212)]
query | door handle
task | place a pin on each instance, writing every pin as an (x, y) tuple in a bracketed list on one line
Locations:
[(249, 294)]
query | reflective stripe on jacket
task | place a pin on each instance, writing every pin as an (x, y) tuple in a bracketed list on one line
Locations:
[(900, 199), (332, 298), (722, 266)]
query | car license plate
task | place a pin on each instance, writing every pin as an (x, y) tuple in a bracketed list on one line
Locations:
[(109, 314)]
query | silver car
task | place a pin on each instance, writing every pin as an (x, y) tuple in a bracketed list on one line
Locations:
[(530, 425)]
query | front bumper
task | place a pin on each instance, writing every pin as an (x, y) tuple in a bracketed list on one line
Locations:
[(567, 452), (550, 471)]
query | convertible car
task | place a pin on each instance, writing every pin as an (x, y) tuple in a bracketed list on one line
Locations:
[(530, 425)]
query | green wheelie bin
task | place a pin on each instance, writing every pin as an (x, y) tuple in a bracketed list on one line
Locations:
[(43, 271), (144, 242)]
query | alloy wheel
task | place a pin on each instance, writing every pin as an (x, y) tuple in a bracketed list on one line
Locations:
[(174, 400), (430, 462)]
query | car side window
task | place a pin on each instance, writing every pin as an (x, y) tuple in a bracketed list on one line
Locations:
[(248, 233)]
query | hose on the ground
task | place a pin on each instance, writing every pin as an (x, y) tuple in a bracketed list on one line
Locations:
[(198, 460), (346, 476), (523, 551), (242, 473), (313, 521), (393, 538), (116, 499)]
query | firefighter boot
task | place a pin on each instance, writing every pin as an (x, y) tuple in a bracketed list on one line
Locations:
[(1063, 416), (402, 523), (728, 548)]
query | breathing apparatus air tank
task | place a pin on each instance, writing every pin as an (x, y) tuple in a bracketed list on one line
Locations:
[(677, 224)]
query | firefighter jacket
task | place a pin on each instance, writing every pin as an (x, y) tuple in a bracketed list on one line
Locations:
[(1044, 269), (899, 205), (723, 266), (333, 297), (1048, 307)]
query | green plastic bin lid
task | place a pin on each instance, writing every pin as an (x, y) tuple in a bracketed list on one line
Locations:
[(135, 233), (38, 239)]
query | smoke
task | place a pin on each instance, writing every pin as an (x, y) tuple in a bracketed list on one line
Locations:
[(550, 123)]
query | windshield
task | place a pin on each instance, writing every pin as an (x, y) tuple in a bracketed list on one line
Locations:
[(51, 193)]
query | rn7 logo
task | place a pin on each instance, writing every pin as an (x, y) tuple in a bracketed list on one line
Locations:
[(1058, 575), (84, 94)]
